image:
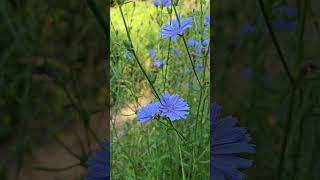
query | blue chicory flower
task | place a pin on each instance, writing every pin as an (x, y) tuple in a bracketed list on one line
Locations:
[(197, 47), (148, 112), (156, 3), (152, 53), (173, 107), (173, 30), (226, 141), (191, 42), (207, 23), (199, 67), (205, 42), (99, 163), (196, 44), (158, 63), (165, 3), (204, 32)]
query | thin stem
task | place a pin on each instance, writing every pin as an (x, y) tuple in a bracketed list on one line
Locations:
[(178, 132), (142, 69), (57, 169), (286, 135), (134, 53), (168, 56), (301, 32), (167, 64), (275, 41), (95, 136), (181, 163), (94, 9), (66, 147), (186, 46), (82, 146)]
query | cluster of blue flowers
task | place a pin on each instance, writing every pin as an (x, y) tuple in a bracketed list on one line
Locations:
[(157, 62), (170, 106), (198, 46), (226, 141)]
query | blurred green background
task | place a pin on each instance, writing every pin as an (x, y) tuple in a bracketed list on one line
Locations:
[(52, 78), (251, 82)]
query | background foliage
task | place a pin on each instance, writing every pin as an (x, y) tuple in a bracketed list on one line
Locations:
[(251, 81), (51, 73)]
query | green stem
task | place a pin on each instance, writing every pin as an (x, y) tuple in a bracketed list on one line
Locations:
[(186, 46), (135, 55), (286, 135), (168, 56), (275, 41)]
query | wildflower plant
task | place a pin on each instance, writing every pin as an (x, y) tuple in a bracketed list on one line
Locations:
[(173, 128)]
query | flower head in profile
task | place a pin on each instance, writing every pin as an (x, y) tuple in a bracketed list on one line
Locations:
[(165, 3), (173, 107), (158, 63), (152, 53), (205, 42), (176, 28), (207, 23), (148, 112), (226, 140), (99, 163)]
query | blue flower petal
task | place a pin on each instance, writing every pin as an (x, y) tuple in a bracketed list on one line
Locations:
[(173, 107), (148, 112), (99, 163)]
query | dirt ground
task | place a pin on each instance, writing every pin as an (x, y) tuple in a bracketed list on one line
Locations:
[(53, 155)]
